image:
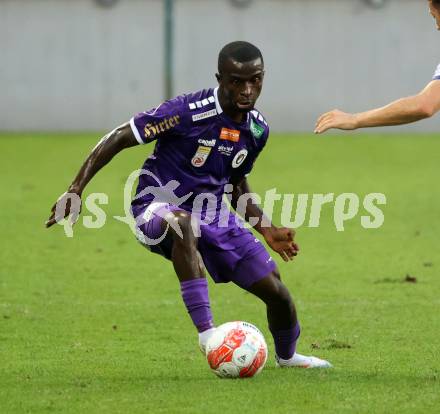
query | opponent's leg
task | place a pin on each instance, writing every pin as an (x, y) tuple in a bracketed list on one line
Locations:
[(283, 322)]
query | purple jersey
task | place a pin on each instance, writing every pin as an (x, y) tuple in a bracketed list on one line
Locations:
[(198, 146)]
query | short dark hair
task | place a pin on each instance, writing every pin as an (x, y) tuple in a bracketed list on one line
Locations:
[(239, 51)]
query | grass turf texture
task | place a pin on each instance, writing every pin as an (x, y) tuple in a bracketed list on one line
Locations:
[(96, 323)]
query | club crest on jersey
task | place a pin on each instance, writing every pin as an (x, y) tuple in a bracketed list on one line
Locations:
[(239, 158), (200, 156), (257, 130), (230, 134)]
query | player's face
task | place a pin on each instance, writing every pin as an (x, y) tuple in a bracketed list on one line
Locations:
[(240, 84), (435, 12)]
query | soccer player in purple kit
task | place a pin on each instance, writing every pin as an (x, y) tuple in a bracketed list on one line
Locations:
[(403, 111), (206, 145)]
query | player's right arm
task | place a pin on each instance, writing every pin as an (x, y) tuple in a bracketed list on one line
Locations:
[(115, 141), (145, 127), (403, 111)]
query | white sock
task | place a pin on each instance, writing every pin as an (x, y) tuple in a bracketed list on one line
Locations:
[(203, 338)]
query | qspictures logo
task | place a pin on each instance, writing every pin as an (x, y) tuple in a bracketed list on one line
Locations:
[(296, 210)]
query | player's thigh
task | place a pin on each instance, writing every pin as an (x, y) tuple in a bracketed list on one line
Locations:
[(158, 225), (235, 256)]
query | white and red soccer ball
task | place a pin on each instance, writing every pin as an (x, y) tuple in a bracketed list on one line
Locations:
[(236, 350)]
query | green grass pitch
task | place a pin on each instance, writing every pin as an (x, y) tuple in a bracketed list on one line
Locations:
[(95, 323)]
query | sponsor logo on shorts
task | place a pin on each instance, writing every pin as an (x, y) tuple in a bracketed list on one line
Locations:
[(225, 150), (207, 142), (239, 158), (204, 115), (257, 130), (152, 130), (230, 134), (200, 156)]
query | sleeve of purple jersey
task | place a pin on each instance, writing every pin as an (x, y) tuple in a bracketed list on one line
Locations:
[(436, 74), (167, 119)]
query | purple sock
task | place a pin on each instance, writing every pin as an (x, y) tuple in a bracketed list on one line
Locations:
[(196, 299), (285, 341)]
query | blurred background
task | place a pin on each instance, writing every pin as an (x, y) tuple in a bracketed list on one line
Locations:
[(79, 65)]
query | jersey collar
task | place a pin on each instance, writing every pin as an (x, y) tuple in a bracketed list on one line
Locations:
[(217, 103)]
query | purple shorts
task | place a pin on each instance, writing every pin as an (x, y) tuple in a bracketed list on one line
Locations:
[(230, 254)]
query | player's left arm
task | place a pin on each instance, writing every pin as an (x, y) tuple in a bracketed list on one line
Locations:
[(403, 111), (280, 239)]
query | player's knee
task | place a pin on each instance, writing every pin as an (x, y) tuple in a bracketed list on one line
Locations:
[(280, 295), (284, 299), (181, 227), (272, 291)]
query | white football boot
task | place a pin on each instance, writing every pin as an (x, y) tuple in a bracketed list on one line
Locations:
[(203, 339), (301, 361)]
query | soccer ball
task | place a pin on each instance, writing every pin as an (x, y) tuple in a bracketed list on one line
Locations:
[(236, 350)]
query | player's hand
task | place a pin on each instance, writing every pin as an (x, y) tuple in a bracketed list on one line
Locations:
[(280, 239), (335, 119), (68, 203)]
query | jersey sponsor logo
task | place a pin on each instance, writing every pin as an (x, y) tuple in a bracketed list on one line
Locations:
[(152, 130), (239, 158), (204, 115), (207, 142), (200, 156), (230, 134), (225, 150), (256, 130)]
